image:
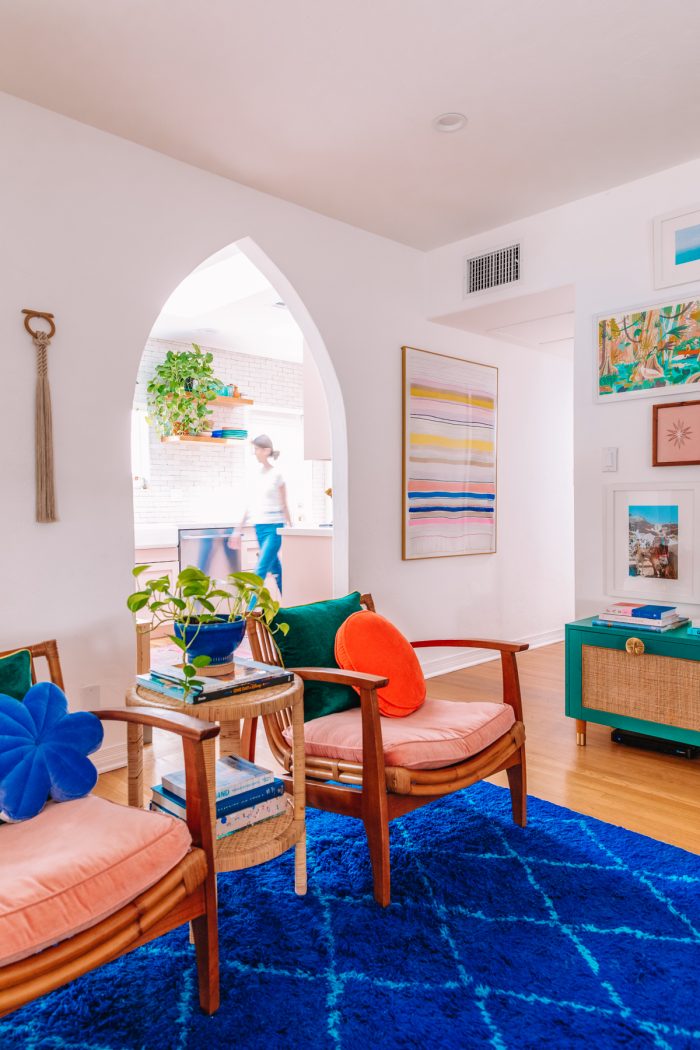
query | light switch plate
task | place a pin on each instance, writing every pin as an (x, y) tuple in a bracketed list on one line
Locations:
[(609, 460)]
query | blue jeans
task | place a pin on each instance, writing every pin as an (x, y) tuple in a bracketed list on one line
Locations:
[(268, 560)]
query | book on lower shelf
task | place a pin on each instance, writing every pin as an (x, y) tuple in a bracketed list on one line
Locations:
[(234, 776), (240, 819), (247, 676), (246, 794)]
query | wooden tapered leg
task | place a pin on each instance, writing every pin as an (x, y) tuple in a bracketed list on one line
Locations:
[(205, 932), (517, 782), (580, 732), (377, 829)]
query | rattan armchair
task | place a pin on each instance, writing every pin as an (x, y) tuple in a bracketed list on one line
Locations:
[(187, 893), (389, 792)]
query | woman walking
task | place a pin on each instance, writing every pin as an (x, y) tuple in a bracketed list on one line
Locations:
[(268, 509)]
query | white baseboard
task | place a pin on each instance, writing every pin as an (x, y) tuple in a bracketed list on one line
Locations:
[(107, 758), (458, 659)]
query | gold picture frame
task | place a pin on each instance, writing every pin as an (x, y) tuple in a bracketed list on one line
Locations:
[(449, 455)]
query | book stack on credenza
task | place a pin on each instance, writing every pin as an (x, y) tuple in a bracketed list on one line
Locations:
[(641, 617), (246, 794)]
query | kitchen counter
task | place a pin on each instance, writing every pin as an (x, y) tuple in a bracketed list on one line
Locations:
[(315, 530), (307, 565)]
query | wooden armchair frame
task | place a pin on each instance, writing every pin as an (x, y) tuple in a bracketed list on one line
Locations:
[(390, 791), (186, 894)]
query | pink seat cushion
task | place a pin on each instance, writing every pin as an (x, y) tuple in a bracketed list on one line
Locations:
[(439, 733), (76, 863)]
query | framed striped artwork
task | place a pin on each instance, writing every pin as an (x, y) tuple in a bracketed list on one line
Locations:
[(449, 455)]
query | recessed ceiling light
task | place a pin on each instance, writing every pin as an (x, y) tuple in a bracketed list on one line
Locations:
[(448, 122)]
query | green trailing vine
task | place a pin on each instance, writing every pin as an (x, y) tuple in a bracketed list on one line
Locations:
[(180, 391)]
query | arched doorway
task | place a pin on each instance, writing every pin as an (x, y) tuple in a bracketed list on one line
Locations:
[(224, 265)]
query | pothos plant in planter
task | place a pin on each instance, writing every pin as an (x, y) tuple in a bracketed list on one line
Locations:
[(180, 391), (208, 616)]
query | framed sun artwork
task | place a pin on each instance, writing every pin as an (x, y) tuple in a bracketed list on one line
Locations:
[(676, 434)]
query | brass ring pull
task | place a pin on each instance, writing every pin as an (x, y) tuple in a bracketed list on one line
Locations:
[(31, 314), (634, 646)]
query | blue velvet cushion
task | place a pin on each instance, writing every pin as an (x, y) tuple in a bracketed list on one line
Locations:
[(43, 751)]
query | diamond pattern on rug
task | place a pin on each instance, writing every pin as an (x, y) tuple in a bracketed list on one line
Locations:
[(569, 933)]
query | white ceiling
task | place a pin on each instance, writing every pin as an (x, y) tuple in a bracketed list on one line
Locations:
[(228, 304), (329, 103)]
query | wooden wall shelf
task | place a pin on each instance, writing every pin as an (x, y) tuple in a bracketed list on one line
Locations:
[(227, 402), (176, 438), (232, 402)]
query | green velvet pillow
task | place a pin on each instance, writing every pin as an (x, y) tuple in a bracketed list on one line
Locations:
[(16, 674), (310, 642)]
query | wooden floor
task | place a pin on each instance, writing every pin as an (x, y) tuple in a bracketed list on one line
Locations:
[(656, 795)]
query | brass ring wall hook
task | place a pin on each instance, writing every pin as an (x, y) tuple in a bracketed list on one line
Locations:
[(29, 314)]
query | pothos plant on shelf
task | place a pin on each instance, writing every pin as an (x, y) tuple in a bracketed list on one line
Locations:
[(208, 616), (180, 391)]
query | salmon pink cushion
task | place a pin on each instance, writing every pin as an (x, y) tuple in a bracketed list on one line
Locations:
[(76, 863), (439, 734), (369, 643)]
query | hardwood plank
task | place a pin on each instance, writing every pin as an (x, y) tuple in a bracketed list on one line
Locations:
[(653, 794)]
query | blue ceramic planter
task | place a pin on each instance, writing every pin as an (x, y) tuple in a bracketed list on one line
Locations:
[(217, 640)]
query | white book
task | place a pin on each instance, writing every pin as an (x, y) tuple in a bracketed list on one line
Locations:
[(242, 818)]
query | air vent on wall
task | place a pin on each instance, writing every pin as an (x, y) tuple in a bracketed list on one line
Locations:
[(492, 269)]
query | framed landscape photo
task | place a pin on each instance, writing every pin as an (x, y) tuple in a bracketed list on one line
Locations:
[(650, 542), (677, 247), (648, 351), (449, 455), (676, 434)]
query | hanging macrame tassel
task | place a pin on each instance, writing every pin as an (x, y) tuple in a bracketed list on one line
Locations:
[(43, 431), (43, 426)]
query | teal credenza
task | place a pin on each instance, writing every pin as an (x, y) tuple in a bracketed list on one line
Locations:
[(637, 680)]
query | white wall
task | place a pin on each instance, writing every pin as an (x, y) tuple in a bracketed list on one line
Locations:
[(602, 245), (100, 231)]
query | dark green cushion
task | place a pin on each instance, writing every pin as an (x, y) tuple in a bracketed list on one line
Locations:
[(310, 642), (16, 674)]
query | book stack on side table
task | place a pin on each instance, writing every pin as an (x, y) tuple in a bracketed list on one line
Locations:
[(641, 616), (246, 794), (245, 677)]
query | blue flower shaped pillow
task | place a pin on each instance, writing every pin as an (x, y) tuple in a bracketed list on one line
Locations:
[(43, 751)]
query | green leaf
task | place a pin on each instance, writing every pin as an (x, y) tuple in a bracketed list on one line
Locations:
[(179, 642), (189, 671), (138, 569), (138, 600), (201, 661)]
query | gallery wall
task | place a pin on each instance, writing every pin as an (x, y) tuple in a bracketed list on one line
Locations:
[(603, 246), (100, 231)]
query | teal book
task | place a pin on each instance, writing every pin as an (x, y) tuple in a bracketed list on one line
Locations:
[(234, 776), (176, 806)]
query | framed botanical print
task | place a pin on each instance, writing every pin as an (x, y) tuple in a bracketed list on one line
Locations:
[(677, 247), (651, 544), (676, 434), (449, 455)]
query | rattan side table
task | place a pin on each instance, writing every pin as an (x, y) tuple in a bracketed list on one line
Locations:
[(270, 838)]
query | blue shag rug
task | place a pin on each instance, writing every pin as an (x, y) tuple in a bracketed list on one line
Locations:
[(570, 933)]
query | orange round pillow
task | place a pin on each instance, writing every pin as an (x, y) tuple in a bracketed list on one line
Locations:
[(368, 643)]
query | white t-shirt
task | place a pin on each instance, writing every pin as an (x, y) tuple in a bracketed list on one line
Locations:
[(266, 505)]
